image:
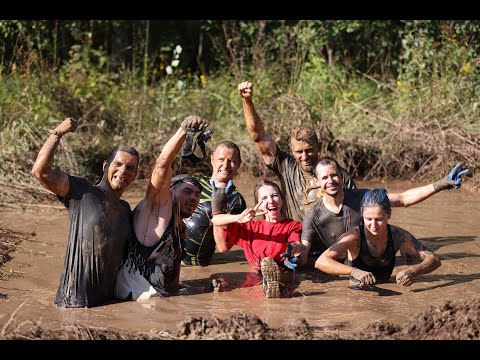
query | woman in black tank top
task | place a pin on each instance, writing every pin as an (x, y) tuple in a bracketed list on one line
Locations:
[(371, 247)]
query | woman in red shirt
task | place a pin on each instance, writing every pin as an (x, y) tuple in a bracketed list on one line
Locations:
[(264, 241)]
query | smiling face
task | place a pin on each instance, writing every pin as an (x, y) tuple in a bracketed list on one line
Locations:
[(225, 163), (305, 154), (375, 219), (271, 202), (121, 170), (329, 179), (186, 198)]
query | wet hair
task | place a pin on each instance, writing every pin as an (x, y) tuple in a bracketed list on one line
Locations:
[(325, 161), (185, 178), (264, 182), (128, 149), (376, 197), (305, 134), (230, 145)]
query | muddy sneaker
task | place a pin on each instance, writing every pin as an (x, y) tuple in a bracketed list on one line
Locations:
[(271, 277)]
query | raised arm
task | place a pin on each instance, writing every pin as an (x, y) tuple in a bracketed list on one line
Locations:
[(54, 180), (265, 144), (413, 251), (159, 185), (416, 195)]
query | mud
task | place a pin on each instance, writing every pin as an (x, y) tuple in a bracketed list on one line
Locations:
[(321, 306)]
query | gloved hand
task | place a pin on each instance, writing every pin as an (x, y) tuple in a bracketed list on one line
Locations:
[(454, 179), (405, 277), (365, 277), (290, 261), (219, 197)]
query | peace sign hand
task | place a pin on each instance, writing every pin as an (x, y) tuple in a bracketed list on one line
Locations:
[(249, 214)]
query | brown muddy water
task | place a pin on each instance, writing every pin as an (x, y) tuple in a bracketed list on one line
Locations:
[(448, 223)]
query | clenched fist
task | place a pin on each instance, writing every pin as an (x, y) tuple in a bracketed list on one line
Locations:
[(246, 89), (66, 126), (193, 122)]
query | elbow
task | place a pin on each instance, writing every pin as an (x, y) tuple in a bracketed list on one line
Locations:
[(36, 172), (319, 264), (222, 249)]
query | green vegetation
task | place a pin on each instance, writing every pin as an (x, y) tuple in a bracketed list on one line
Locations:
[(387, 98)]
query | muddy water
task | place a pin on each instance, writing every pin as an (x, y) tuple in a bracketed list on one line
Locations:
[(448, 223)]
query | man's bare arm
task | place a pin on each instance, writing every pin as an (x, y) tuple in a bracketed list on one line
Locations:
[(54, 180), (162, 173), (416, 195), (265, 144)]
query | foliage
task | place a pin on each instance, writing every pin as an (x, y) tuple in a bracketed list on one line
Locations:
[(361, 84)]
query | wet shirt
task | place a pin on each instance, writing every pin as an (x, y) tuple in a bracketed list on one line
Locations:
[(99, 231), (200, 245), (322, 227), (260, 239), (151, 269), (298, 187), (382, 266)]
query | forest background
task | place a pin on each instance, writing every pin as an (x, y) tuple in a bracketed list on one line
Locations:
[(388, 99)]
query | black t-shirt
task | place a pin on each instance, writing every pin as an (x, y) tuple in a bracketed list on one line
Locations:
[(99, 231), (294, 183), (322, 228), (200, 245)]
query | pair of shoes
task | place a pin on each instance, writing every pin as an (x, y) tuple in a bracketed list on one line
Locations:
[(271, 277)]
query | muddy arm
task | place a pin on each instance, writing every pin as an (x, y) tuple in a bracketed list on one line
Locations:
[(54, 180), (265, 144)]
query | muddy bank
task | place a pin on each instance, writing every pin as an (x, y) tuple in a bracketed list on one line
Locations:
[(453, 320)]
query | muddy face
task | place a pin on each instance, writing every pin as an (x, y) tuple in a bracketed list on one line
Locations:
[(305, 154)]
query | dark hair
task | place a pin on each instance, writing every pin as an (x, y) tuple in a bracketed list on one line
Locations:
[(128, 149), (376, 197), (305, 134), (185, 178), (325, 161), (230, 145), (264, 182)]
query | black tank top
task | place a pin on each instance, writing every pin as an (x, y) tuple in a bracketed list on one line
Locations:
[(381, 267)]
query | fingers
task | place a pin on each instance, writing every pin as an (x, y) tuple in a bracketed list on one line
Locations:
[(246, 89), (193, 122), (463, 172), (258, 205), (453, 173), (261, 213), (369, 279)]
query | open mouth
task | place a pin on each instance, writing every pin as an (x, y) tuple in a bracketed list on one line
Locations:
[(119, 178)]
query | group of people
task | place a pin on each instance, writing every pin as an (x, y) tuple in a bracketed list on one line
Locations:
[(315, 218)]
